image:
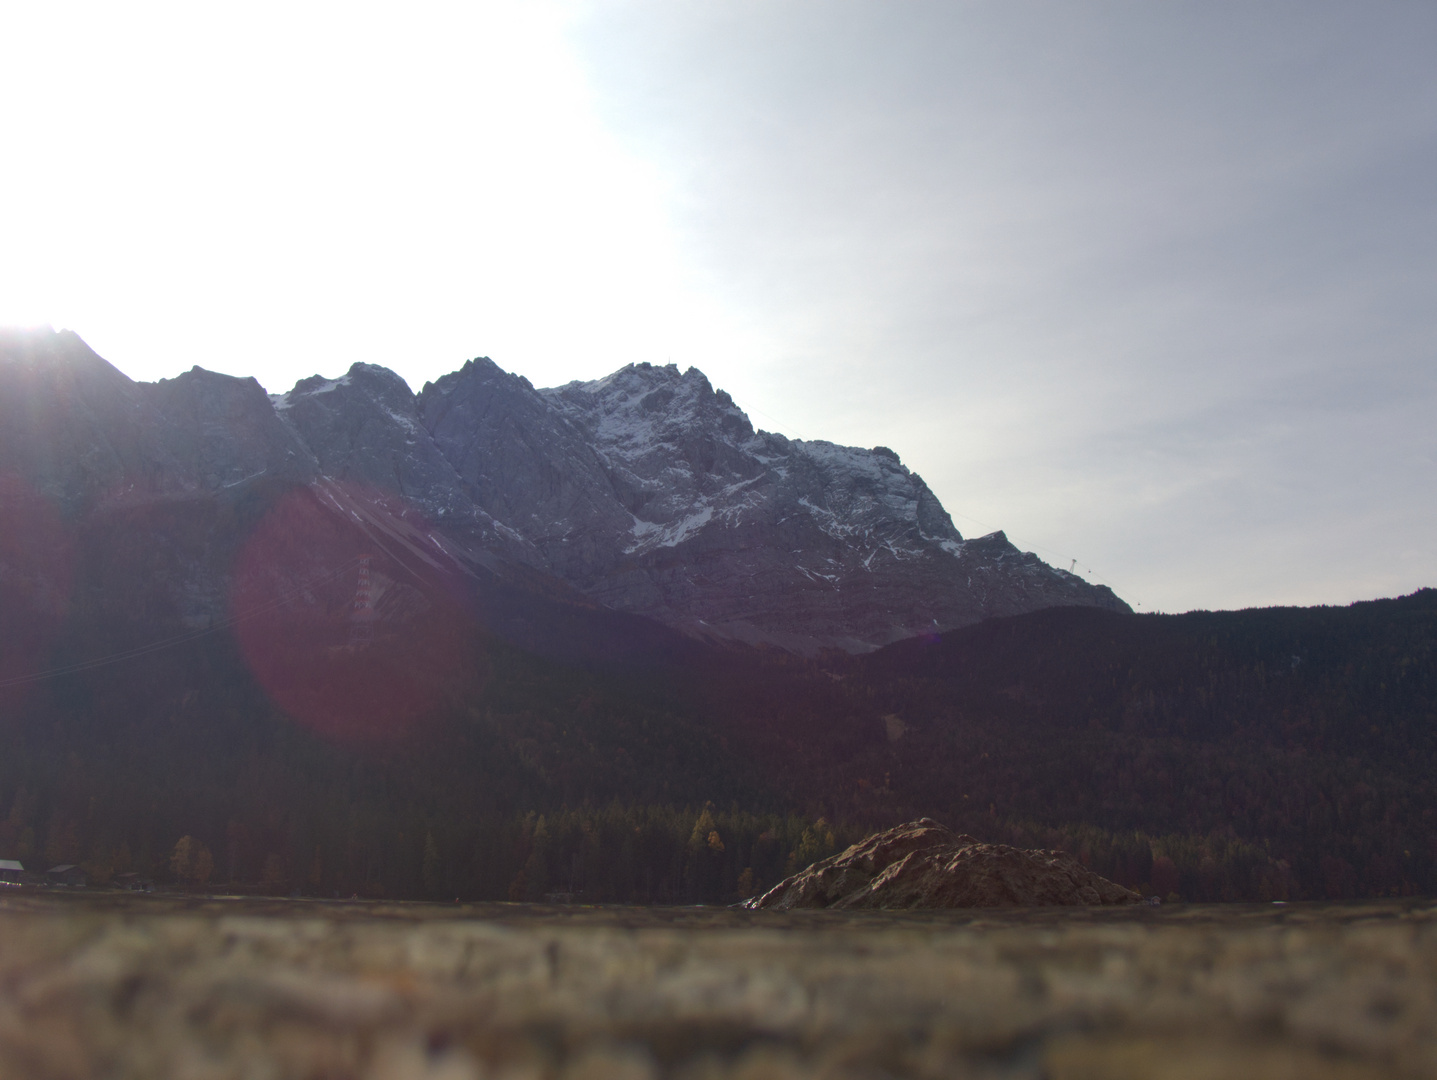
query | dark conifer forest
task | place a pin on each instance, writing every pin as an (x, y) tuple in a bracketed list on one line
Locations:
[(1253, 755)]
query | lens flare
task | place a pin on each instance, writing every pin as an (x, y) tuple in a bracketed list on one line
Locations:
[(349, 626), (36, 573)]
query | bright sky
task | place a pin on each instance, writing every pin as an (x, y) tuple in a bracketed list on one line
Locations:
[(1148, 286)]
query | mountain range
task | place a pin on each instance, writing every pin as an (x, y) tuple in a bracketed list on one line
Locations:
[(646, 492), (491, 641)]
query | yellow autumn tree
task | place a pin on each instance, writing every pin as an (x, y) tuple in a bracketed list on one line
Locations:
[(192, 862), (705, 834), (817, 842)]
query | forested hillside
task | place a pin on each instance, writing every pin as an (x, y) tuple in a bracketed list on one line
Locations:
[(1283, 753)]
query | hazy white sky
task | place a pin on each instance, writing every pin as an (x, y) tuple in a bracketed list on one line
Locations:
[(1147, 285)]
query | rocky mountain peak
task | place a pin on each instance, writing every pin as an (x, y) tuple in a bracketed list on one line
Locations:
[(653, 492), (648, 490), (642, 406)]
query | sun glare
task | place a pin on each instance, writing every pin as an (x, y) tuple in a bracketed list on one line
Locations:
[(276, 190)]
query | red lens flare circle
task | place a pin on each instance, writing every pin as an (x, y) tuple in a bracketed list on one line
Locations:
[(36, 574), (349, 632)]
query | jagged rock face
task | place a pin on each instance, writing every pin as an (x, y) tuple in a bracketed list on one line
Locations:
[(365, 433), (648, 491), (84, 434), (70, 424), (526, 466), (925, 865), (654, 494), (219, 432)]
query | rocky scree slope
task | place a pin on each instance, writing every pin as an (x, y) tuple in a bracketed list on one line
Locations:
[(646, 492)]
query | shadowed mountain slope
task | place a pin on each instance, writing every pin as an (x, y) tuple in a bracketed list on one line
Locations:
[(652, 492), (646, 492)]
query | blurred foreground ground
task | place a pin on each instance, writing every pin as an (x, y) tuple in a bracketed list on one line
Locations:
[(153, 986)]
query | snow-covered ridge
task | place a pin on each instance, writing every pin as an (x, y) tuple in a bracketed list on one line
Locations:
[(653, 492), (648, 490), (694, 461)]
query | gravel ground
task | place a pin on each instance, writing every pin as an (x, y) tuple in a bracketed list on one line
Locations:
[(110, 985)]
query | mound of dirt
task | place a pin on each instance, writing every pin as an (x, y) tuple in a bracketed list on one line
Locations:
[(925, 865)]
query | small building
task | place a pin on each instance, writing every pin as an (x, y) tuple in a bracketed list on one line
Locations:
[(134, 883), (66, 874), (11, 872)]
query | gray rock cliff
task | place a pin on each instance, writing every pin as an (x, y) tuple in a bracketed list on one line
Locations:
[(648, 492), (654, 494)]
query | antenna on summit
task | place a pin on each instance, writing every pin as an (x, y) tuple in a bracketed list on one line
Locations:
[(1074, 564)]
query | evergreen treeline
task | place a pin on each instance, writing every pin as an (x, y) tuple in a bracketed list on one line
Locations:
[(112, 769), (1278, 754)]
